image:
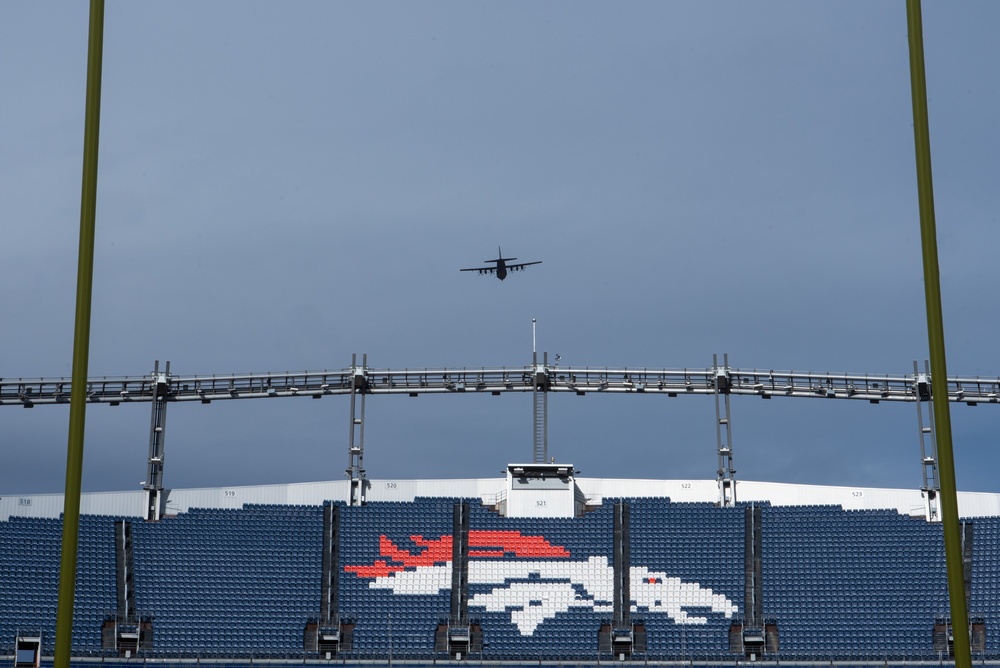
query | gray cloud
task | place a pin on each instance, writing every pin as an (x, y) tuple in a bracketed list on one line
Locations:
[(279, 190)]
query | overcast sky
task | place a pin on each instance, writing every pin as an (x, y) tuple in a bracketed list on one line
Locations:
[(283, 186)]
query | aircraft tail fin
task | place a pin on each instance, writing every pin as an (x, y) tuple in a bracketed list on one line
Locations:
[(500, 257)]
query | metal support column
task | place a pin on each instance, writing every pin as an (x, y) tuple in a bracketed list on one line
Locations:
[(928, 456), (540, 399), (160, 382), (356, 445), (726, 472)]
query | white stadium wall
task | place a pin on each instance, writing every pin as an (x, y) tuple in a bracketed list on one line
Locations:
[(492, 491)]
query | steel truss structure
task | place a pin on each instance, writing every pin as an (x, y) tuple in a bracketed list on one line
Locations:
[(540, 378)]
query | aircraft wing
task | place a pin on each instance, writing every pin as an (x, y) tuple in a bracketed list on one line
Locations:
[(481, 270), (521, 265)]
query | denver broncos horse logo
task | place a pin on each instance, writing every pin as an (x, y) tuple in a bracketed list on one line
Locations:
[(541, 581)]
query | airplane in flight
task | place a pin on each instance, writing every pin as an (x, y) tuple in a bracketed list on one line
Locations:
[(501, 268)]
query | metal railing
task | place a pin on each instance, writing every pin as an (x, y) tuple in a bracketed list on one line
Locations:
[(497, 380)]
